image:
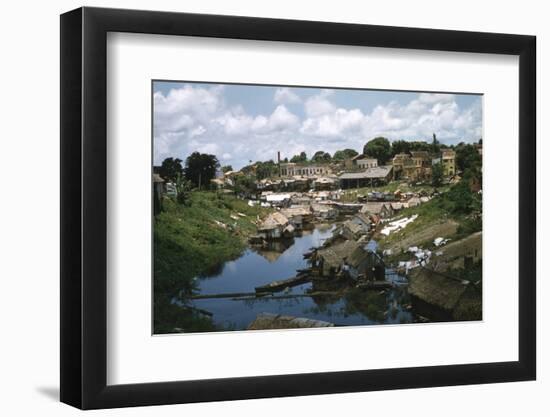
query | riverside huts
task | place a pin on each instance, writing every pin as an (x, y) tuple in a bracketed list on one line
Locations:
[(275, 226), (298, 215), (350, 230), (359, 225), (363, 220), (363, 264), (382, 210), (349, 258), (324, 211), (330, 260), (370, 177), (441, 297), (324, 183)]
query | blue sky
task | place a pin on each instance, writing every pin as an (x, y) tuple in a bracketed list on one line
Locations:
[(242, 123)]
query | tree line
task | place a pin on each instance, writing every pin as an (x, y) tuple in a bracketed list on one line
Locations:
[(199, 168)]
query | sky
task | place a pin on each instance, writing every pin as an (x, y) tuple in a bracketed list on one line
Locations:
[(243, 123)]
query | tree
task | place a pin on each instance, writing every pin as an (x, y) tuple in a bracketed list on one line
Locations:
[(420, 145), (435, 145), (244, 185), (299, 158), (266, 169), (183, 189), (344, 154), (378, 148), (200, 168), (437, 174), (400, 146), (459, 199), (467, 157), (321, 156), (227, 168), (170, 169)]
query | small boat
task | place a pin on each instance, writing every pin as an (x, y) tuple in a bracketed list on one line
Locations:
[(280, 285)]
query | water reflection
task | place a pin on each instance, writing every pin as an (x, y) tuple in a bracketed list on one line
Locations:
[(280, 260)]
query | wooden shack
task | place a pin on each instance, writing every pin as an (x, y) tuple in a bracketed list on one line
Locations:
[(298, 215), (365, 265), (275, 226), (382, 210), (330, 260), (440, 297)]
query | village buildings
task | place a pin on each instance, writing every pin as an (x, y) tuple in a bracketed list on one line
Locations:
[(291, 169), (448, 161), (364, 162), (275, 226), (378, 175), (382, 210), (416, 166)]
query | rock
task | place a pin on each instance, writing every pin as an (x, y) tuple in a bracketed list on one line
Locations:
[(268, 321)]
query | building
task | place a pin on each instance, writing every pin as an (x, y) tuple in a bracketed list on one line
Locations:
[(371, 177), (363, 220), (349, 258), (275, 226), (448, 161), (365, 163), (351, 231), (324, 211), (364, 264), (359, 225), (298, 215), (330, 260), (324, 183), (414, 167), (276, 199), (382, 210), (291, 169)]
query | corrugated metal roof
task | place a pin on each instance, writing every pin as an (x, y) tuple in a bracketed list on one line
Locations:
[(376, 172)]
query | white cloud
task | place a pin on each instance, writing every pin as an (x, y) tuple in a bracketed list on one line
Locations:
[(432, 98), (195, 118), (285, 95), (238, 123), (199, 130), (282, 119), (338, 122), (319, 104)]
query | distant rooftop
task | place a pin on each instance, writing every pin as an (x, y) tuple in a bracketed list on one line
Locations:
[(376, 172)]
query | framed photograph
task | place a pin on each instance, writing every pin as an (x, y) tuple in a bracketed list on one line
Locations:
[(257, 208)]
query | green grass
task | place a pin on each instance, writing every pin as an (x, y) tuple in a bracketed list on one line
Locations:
[(190, 240), (438, 210)]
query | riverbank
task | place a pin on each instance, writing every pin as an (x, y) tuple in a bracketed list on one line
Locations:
[(444, 216), (193, 240)]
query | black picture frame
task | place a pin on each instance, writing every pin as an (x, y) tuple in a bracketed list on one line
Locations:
[(84, 207)]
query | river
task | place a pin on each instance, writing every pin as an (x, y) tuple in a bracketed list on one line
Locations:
[(254, 268)]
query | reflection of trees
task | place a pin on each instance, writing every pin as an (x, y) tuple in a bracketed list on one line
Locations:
[(170, 317), (214, 270), (371, 304)]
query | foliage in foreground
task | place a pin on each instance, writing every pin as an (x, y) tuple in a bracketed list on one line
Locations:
[(192, 240), (459, 203)]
